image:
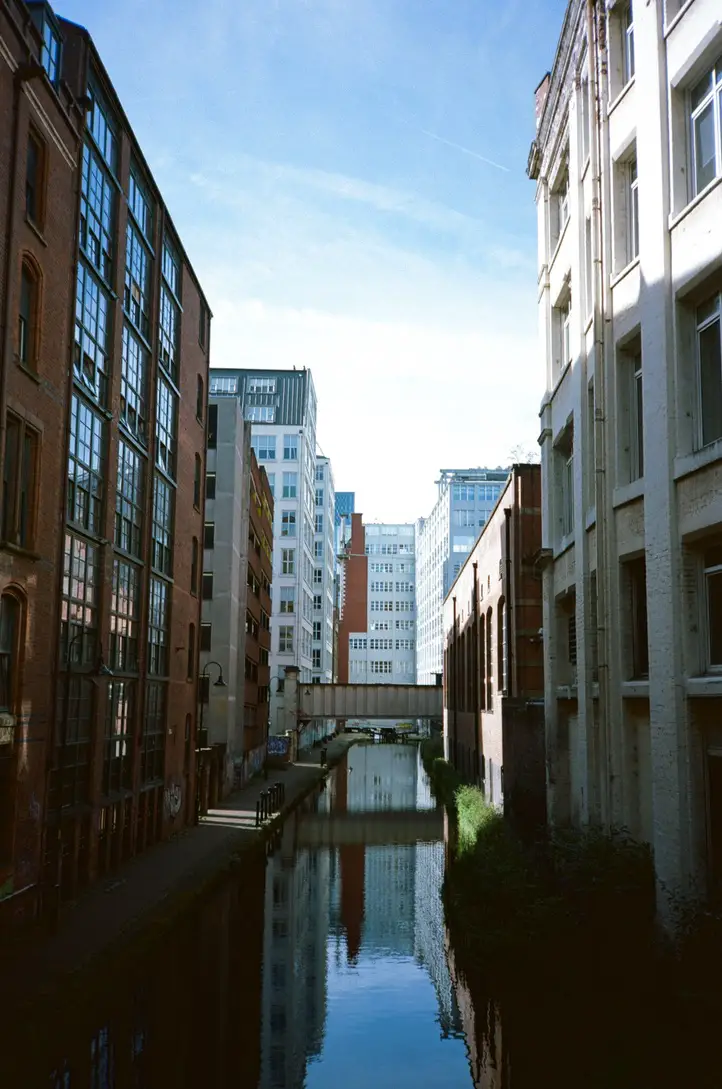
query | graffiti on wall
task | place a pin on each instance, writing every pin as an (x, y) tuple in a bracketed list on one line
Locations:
[(277, 746), (172, 799)]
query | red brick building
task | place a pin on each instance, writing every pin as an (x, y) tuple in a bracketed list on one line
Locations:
[(354, 599), (258, 604), (39, 146), (105, 350), (493, 661)]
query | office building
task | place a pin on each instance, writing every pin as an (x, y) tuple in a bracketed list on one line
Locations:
[(627, 163), (466, 498), (382, 649), (281, 407), (324, 575), (236, 611), (112, 437)]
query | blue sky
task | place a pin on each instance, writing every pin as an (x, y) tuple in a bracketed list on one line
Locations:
[(348, 180)]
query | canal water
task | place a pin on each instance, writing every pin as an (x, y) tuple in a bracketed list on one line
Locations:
[(327, 965)]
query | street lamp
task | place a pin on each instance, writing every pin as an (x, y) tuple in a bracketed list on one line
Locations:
[(220, 683), (99, 670)]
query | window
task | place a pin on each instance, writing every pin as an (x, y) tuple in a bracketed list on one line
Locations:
[(713, 606), (565, 457), (140, 205), (317, 576), (165, 427), (194, 565), (212, 426), (118, 754), (288, 523), (35, 179), (153, 742), (318, 550), (102, 127), (209, 535), (585, 120), (136, 292), (50, 57), (27, 317), (85, 466), (197, 477), (709, 363), (224, 384), (319, 523), (588, 270), (288, 599), (158, 628), (129, 499), (288, 561), (638, 600), (206, 632), (191, 670), (20, 482), (316, 659), (264, 447), (636, 420), (210, 485), (259, 413), (317, 630), (319, 497), (90, 356), (627, 44), (200, 398), (285, 639), (706, 118), (559, 207), (203, 323), (633, 200), (290, 447), (207, 586), (162, 529), (168, 321), (134, 376), (290, 485), (124, 616), (259, 384), (380, 666), (79, 598), (563, 318), (9, 631), (317, 602)]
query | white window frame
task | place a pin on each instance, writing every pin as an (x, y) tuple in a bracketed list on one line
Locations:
[(712, 314), (713, 98), (628, 61), (632, 179)]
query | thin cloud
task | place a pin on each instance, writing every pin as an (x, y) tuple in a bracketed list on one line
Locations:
[(465, 150)]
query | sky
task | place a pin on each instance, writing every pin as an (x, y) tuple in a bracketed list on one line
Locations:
[(348, 179)]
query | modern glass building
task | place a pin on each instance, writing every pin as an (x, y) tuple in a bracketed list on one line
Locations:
[(466, 498)]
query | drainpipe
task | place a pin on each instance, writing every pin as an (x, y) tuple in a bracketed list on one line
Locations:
[(508, 597), (477, 713), (597, 60)]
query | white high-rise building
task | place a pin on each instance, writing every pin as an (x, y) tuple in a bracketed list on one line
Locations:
[(627, 163), (465, 500), (281, 406), (386, 652)]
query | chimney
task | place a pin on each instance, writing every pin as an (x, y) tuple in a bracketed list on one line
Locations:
[(540, 97)]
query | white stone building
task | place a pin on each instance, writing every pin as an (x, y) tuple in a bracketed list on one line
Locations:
[(466, 498), (386, 652), (628, 168)]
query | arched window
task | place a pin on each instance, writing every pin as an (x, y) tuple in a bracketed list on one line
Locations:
[(489, 659), (191, 652), (9, 643), (28, 316), (200, 398)]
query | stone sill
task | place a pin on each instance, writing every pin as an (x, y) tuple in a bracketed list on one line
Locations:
[(686, 464), (711, 685), (635, 690)]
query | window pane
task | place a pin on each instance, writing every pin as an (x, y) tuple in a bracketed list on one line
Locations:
[(710, 367), (704, 147), (714, 605)]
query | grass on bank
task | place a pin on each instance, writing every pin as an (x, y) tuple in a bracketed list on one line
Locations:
[(569, 905)]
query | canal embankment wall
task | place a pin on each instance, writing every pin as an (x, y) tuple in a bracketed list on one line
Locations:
[(120, 918)]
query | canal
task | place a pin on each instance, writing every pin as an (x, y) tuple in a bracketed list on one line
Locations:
[(325, 964)]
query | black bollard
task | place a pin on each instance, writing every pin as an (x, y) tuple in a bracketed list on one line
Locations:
[(258, 812), (280, 790), (324, 751)]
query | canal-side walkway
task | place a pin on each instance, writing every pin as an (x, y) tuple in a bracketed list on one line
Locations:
[(147, 893)]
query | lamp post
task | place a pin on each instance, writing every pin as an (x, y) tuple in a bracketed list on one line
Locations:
[(201, 746), (100, 670)]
